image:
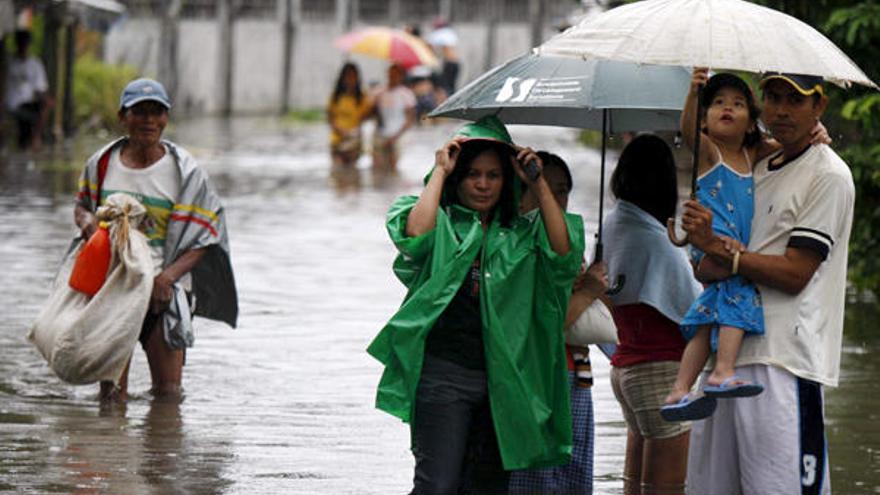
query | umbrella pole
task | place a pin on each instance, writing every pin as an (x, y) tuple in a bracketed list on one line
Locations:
[(670, 224), (599, 248), (697, 133), (621, 278)]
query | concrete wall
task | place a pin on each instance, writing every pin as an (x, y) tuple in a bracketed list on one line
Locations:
[(198, 66), (257, 66), (135, 42)]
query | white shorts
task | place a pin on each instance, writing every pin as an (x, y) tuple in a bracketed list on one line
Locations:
[(773, 443)]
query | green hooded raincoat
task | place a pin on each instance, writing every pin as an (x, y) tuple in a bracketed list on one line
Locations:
[(524, 294)]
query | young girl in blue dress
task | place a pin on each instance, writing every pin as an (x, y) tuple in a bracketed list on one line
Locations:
[(729, 309)]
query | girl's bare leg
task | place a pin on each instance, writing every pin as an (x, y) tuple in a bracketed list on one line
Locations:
[(692, 361), (729, 341)]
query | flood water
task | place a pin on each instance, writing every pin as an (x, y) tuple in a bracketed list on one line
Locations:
[(284, 403)]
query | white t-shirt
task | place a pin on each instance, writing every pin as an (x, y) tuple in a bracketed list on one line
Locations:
[(806, 202), (156, 187), (392, 105), (444, 36), (24, 79)]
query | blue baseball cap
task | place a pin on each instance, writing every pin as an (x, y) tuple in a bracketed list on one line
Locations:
[(143, 90)]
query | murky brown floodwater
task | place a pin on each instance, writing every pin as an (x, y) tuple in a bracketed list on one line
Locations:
[(283, 404)]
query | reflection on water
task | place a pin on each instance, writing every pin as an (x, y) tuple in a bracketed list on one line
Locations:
[(283, 404), (853, 409)]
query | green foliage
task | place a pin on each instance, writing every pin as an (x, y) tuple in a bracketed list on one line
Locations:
[(592, 139), (857, 25), (853, 118), (856, 29), (96, 90), (37, 35), (306, 116)]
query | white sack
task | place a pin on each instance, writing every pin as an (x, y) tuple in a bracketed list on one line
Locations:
[(594, 326), (86, 340)]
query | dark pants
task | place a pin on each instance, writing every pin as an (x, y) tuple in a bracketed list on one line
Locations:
[(26, 116), (449, 77), (454, 442)]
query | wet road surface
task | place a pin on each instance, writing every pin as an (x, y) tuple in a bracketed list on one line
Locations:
[(284, 403)]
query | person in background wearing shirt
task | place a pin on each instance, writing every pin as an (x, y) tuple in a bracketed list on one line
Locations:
[(395, 109), (347, 109), (27, 98), (445, 41), (576, 477)]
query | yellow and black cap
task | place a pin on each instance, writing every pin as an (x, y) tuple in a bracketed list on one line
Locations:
[(804, 84)]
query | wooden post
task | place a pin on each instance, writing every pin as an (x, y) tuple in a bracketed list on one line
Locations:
[(491, 39), (292, 13), (354, 14), (66, 108), (224, 14), (168, 46), (394, 12), (53, 61), (344, 14), (4, 66), (537, 14), (446, 9)]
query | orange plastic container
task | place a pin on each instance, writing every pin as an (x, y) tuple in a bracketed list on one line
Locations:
[(92, 263)]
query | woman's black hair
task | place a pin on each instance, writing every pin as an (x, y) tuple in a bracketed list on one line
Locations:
[(728, 80), (506, 206), (645, 176), (340, 83)]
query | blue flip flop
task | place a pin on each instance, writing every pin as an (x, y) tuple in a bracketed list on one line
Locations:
[(726, 390), (689, 408)]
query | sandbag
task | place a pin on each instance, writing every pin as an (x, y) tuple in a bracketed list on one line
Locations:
[(90, 339)]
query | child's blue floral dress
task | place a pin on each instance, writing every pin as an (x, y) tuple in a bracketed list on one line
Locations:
[(734, 301)]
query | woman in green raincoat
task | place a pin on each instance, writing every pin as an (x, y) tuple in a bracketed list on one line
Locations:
[(475, 357)]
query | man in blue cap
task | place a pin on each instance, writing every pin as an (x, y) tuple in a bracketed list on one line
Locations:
[(185, 227), (797, 255)]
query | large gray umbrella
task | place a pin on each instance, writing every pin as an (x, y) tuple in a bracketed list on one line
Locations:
[(719, 34), (573, 92), (607, 95)]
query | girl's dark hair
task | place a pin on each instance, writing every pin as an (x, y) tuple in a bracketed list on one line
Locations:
[(506, 206), (22, 37), (728, 80), (340, 82), (552, 160), (645, 176)]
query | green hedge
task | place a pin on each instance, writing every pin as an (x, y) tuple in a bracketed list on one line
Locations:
[(96, 90)]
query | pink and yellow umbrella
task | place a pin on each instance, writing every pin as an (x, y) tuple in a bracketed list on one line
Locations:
[(394, 45)]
